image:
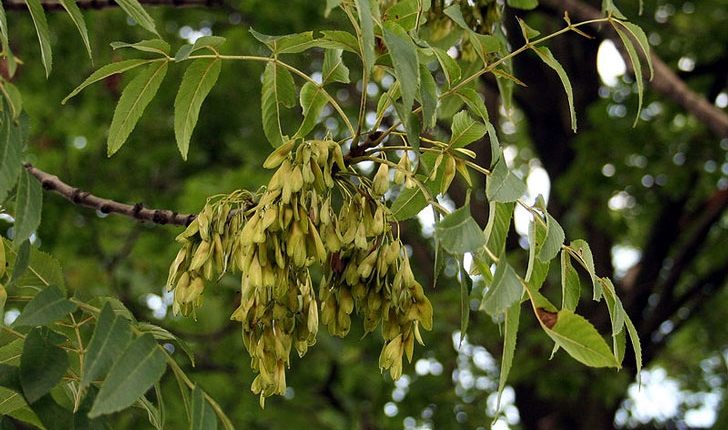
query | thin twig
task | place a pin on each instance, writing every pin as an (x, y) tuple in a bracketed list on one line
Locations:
[(83, 198)]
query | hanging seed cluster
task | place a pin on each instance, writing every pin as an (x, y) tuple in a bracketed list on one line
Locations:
[(273, 238)]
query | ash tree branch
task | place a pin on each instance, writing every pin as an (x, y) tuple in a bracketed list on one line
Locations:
[(83, 198), (665, 82)]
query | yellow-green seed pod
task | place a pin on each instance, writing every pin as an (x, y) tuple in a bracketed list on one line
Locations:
[(380, 183), (201, 255), (278, 155)]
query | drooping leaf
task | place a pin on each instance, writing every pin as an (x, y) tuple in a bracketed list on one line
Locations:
[(22, 259), (548, 58), (13, 98), (483, 44), (570, 286), (428, 97), (339, 39), (154, 415), (333, 68), (459, 233), (203, 416), (404, 59), (134, 99), (330, 5), (28, 206), (48, 306), (496, 230), (198, 80), (465, 130), (554, 239), (474, 102), (449, 66), (111, 337), (42, 364), (313, 101), (537, 269), (279, 91), (156, 46), (136, 12), (11, 146), (640, 36), (466, 285), (366, 23), (140, 366), (10, 58), (408, 203), (636, 346), (503, 185), (75, 13), (105, 72), (44, 37), (579, 339), (505, 290), (510, 336), (581, 252)]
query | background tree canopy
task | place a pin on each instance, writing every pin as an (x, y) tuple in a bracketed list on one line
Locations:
[(92, 338)]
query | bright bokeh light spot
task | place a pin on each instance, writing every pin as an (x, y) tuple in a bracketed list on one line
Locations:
[(610, 65), (623, 258), (721, 101), (686, 64)]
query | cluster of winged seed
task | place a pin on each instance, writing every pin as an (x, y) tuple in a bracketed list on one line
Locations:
[(273, 238)]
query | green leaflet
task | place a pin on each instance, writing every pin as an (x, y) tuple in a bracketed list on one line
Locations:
[(548, 58), (313, 99), (553, 241), (42, 364), (28, 206), (408, 203), (140, 366), (156, 46), (365, 10), (111, 336), (47, 307), (510, 335), (496, 230), (644, 45), (12, 97), (428, 97), (334, 69), (505, 290), (466, 286), (75, 13), (449, 66), (502, 185), (465, 130), (106, 71), (570, 286), (580, 250), (135, 10), (484, 44), (198, 80), (279, 91), (12, 64), (134, 99), (44, 38), (578, 338), (458, 232), (202, 416), (404, 58), (11, 146), (34, 269)]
